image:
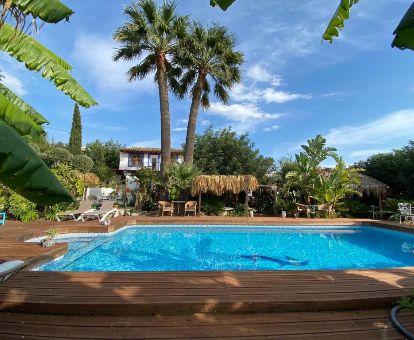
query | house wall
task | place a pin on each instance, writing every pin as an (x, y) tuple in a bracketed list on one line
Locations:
[(146, 160)]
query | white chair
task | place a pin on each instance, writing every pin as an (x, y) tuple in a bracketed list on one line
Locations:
[(406, 212)]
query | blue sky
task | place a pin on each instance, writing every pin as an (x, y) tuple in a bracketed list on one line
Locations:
[(358, 92)]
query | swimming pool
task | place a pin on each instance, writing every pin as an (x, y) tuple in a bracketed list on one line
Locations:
[(203, 248)]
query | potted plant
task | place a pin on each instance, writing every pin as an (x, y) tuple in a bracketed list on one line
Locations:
[(49, 241)]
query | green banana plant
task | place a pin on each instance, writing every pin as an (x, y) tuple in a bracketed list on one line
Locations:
[(337, 22), (51, 11), (223, 4), (21, 168), (25, 107), (12, 115), (24, 171), (38, 58)]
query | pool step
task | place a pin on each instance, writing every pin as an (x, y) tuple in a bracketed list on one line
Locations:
[(139, 293)]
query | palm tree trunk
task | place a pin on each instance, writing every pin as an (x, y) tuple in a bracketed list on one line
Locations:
[(192, 119), (165, 117)]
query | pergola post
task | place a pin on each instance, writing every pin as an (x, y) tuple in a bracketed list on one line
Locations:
[(246, 203), (199, 203)]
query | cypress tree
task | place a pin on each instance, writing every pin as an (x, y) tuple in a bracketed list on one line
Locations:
[(75, 140)]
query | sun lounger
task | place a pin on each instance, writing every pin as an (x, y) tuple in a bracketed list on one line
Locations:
[(106, 210), (9, 268), (84, 207)]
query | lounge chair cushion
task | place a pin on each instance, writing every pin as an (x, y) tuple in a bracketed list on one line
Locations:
[(10, 265)]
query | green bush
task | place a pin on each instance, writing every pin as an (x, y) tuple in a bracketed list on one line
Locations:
[(57, 155), (239, 211), (352, 208), (22, 209), (212, 206), (82, 163)]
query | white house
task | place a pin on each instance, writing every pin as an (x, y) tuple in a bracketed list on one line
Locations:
[(135, 158)]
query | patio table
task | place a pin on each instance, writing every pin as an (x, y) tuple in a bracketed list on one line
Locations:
[(178, 204)]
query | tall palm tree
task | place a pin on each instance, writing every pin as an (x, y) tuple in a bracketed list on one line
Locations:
[(152, 33), (207, 55)]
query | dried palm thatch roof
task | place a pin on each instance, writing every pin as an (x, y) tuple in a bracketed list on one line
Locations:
[(371, 186), (218, 185)]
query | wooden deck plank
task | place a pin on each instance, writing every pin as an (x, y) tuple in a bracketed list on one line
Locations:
[(352, 324)]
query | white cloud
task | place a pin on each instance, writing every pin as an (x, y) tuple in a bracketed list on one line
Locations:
[(271, 128), (94, 54), (242, 117), (179, 129), (183, 121), (206, 122), (13, 84), (258, 74), (242, 93), (395, 125), (153, 143)]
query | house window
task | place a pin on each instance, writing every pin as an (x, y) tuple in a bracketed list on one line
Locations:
[(135, 160), (154, 163)]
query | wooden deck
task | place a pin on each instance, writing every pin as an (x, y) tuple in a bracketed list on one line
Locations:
[(366, 325), (283, 304)]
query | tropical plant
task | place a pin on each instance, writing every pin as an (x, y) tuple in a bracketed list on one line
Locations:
[(304, 174), (212, 206), (22, 209), (403, 33), (51, 234), (71, 179), (180, 178), (20, 167), (75, 139), (208, 55), (153, 32), (337, 184)]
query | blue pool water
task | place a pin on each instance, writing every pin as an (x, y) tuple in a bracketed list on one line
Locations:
[(198, 248)]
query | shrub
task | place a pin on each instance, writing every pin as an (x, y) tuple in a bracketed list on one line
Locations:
[(22, 209), (212, 206), (57, 155), (82, 163)]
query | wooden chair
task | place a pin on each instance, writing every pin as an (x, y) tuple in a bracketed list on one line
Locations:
[(302, 209), (325, 208), (190, 207), (164, 207)]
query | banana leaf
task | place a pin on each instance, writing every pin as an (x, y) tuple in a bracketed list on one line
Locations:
[(337, 22), (12, 115), (26, 108), (22, 170), (51, 11), (404, 33), (223, 4), (38, 58)]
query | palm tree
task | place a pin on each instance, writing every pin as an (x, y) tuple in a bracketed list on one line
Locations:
[(153, 33), (206, 55)]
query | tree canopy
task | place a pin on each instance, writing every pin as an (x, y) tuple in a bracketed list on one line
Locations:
[(223, 152)]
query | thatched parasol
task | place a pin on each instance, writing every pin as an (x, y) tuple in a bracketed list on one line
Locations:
[(218, 185), (371, 186)]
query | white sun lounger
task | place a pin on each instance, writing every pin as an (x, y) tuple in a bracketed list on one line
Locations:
[(9, 268), (84, 207), (102, 213)]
